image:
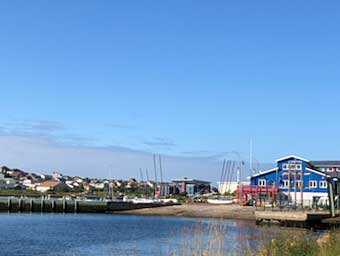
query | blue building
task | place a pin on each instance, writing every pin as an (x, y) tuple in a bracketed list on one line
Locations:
[(299, 179)]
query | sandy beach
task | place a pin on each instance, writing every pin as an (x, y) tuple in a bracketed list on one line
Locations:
[(198, 211)]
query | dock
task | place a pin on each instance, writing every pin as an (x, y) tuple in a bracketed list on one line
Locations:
[(70, 206), (306, 219)]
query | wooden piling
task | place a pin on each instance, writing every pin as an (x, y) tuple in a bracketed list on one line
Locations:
[(53, 205), (75, 206), (20, 204), (31, 205), (9, 204), (42, 205), (64, 205)]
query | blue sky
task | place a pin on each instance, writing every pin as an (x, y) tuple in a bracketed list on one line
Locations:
[(187, 79)]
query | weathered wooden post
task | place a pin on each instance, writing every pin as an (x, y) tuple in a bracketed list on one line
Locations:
[(53, 205), (31, 205), (338, 192), (75, 206), (42, 204), (331, 197), (20, 204), (64, 205)]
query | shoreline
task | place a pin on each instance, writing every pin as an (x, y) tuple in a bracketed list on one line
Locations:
[(197, 211)]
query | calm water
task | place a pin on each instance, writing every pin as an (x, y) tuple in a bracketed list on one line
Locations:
[(90, 234)]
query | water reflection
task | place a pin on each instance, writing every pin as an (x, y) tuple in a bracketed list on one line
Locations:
[(90, 234)]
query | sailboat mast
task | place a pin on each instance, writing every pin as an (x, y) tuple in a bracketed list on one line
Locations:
[(160, 167), (251, 170), (147, 174), (154, 167)]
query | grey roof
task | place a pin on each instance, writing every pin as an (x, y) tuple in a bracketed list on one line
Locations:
[(327, 163), (191, 181)]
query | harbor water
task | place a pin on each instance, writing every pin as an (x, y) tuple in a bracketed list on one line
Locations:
[(105, 234)]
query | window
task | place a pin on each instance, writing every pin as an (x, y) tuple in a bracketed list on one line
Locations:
[(323, 184), (262, 183), (298, 183), (312, 184), (285, 183), (292, 167)]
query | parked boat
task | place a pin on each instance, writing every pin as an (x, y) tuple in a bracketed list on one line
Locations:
[(142, 201), (220, 201)]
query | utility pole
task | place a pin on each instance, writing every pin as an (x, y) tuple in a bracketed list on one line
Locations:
[(295, 183), (289, 199)]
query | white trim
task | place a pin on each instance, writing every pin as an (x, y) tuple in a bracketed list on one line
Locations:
[(262, 182), (265, 172), (285, 184), (317, 172), (312, 184), (292, 156), (323, 182)]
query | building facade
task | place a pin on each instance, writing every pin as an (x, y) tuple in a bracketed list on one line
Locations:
[(192, 186), (299, 179), (7, 183)]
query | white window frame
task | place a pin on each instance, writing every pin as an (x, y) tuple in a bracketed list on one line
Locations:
[(262, 182), (292, 167), (323, 184), (298, 183), (285, 183), (312, 184)]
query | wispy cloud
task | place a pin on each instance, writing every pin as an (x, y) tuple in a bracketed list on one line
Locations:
[(34, 126), (160, 142), (119, 126), (45, 129), (197, 152), (77, 139), (42, 155)]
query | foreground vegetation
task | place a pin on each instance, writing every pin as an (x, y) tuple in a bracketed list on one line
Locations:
[(326, 244), (217, 241)]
